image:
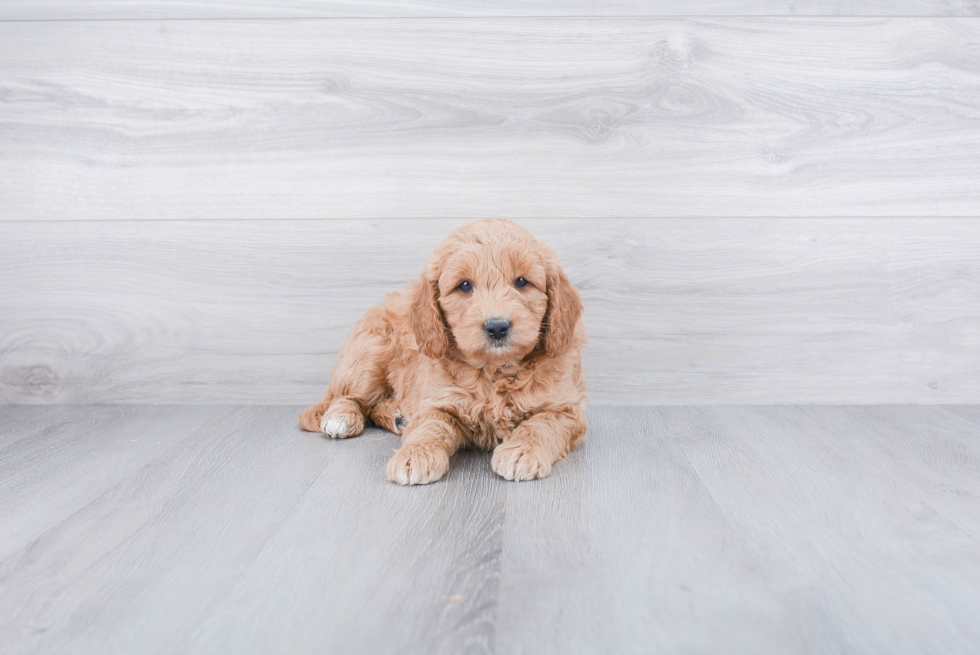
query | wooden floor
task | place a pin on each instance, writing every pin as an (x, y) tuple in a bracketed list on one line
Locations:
[(674, 530)]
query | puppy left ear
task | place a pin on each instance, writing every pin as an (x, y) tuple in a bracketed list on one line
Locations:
[(426, 320), (564, 311)]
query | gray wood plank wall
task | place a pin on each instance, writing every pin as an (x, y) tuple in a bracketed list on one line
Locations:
[(767, 209), (680, 311), (164, 9), (527, 118)]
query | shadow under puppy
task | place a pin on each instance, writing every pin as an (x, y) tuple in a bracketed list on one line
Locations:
[(483, 351)]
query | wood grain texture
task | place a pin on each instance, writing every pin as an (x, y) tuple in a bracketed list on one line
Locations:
[(74, 445), (644, 559), (469, 118), (180, 554), (680, 311), (676, 529), (739, 530), (802, 486), (163, 9), (969, 412)]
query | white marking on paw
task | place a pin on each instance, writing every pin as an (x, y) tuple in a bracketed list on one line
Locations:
[(401, 477), (336, 428)]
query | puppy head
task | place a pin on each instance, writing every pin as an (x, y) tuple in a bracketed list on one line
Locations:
[(493, 292)]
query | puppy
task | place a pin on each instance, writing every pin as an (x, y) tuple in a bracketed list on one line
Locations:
[(483, 351)]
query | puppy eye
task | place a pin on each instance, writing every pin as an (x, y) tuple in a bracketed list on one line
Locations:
[(520, 283), (465, 286)]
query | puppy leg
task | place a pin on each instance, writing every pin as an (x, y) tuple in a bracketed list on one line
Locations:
[(359, 380), (536, 444), (387, 415), (425, 452)]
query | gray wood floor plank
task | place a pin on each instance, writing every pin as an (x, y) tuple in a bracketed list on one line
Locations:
[(180, 544), (193, 511), (18, 422), (942, 454), (623, 550), (683, 529), (830, 513), (163, 9), (678, 310), (94, 451), (473, 118), (370, 568), (968, 412)]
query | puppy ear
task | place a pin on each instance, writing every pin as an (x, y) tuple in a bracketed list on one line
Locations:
[(426, 320), (564, 311)]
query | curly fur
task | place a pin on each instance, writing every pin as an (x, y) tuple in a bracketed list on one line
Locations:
[(421, 365)]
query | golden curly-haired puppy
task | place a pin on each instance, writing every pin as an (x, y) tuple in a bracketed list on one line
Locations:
[(484, 351)]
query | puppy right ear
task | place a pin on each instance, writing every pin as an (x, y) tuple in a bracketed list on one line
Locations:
[(425, 317)]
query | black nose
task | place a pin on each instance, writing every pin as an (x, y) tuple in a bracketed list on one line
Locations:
[(496, 328)]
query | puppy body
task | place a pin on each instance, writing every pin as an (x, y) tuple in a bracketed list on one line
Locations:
[(425, 365)]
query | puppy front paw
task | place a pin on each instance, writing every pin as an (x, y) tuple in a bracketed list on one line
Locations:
[(336, 427), (516, 460), (417, 463), (343, 419)]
